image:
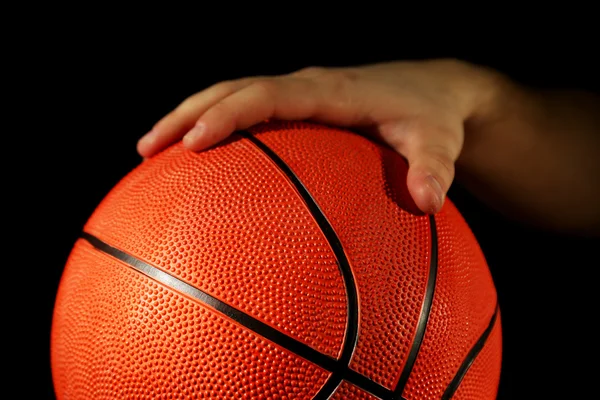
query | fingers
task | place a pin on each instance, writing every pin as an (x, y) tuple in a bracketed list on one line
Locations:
[(431, 153), (427, 133), (260, 100), (175, 124), (209, 116)]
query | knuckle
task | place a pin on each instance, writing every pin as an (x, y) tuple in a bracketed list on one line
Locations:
[(441, 160), (345, 75), (341, 88), (223, 109), (310, 72), (223, 86), (337, 82), (324, 73), (265, 87)]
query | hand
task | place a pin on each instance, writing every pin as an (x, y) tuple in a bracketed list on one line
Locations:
[(418, 108)]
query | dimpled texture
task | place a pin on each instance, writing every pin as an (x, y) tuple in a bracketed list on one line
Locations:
[(348, 391), (463, 306), (229, 223), (388, 248), (120, 335), (477, 383)]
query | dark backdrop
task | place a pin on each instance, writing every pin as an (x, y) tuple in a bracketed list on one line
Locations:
[(90, 98)]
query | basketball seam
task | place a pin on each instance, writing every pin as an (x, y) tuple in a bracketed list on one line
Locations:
[(333, 382), (470, 358), (339, 367), (351, 336), (425, 312), (275, 336)]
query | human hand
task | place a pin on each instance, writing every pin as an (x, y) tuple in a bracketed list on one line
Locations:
[(419, 108)]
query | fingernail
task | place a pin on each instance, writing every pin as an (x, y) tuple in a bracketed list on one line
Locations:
[(438, 194), (193, 135)]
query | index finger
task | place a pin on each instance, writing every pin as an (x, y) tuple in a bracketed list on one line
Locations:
[(331, 100)]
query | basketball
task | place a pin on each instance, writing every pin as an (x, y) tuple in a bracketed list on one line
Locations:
[(287, 262)]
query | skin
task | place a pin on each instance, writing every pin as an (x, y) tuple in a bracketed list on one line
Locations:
[(532, 154)]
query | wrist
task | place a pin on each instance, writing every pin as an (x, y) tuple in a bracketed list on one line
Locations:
[(487, 92)]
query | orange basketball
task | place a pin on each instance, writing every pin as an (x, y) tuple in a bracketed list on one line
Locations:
[(288, 262)]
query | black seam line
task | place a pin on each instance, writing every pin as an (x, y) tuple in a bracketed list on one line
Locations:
[(351, 336), (266, 331), (246, 320), (425, 312), (470, 359)]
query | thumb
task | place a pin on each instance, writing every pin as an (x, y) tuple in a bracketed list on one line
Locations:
[(431, 169)]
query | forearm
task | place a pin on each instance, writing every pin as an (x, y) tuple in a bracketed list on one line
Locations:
[(536, 155)]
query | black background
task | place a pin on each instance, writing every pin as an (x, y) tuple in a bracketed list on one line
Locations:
[(85, 98)]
